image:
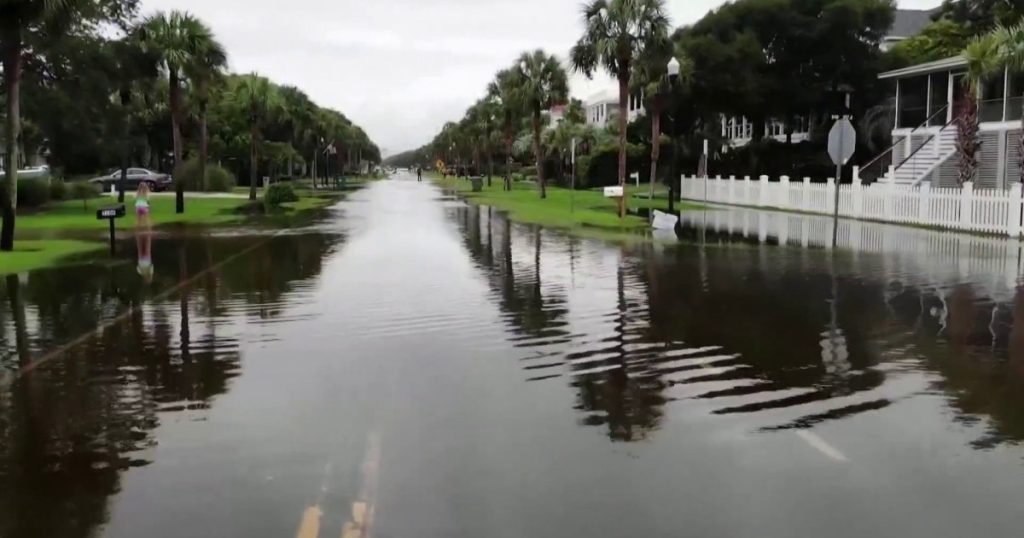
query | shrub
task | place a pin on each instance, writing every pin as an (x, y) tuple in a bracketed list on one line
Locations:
[(279, 193), (58, 190), (218, 179), (33, 192), (84, 191), (528, 170)]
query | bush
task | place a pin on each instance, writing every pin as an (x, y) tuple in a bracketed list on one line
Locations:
[(218, 179), (528, 171), (58, 190), (84, 191), (279, 193), (33, 192)]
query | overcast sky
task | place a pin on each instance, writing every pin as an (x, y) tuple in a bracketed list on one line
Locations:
[(400, 68)]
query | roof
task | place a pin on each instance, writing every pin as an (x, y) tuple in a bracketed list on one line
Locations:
[(908, 22), (606, 96), (953, 63)]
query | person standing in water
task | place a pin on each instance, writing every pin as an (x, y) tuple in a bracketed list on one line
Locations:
[(143, 232), (419, 173)]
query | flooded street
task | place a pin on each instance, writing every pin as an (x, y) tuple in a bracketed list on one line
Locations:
[(409, 366)]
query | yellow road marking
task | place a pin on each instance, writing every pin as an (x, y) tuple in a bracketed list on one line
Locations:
[(361, 523), (309, 527)]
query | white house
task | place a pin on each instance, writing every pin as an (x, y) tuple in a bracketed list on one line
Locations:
[(924, 134), (602, 107)]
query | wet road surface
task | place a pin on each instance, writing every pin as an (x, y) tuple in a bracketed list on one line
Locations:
[(410, 366)]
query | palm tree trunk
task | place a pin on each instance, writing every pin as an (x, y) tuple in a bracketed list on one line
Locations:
[(537, 155), (126, 133), (204, 142), (508, 162), (967, 138), (623, 123), (655, 143), (175, 94), (253, 161), (12, 129)]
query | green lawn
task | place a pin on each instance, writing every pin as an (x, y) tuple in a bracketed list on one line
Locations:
[(562, 208), (29, 255), (72, 215)]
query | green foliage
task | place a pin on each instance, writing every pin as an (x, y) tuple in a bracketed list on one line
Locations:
[(528, 170), (33, 192), (981, 16), (58, 190), (941, 39), (279, 193), (218, 179), (84, 191)]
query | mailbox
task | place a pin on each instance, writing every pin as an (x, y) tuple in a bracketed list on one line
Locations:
[(110, 212), (613, 192)]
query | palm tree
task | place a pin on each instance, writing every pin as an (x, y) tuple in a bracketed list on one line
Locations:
[(484, 117), (179, 40), (510, 111), (257, 96), (299, 115), (542, 83), (16, 18), (616, 33), (983, 60), (1010, 41), (650, 76), (204, 71), (131, 67)]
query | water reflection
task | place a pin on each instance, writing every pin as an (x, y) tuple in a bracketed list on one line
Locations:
[(790, 338), (69, 426)]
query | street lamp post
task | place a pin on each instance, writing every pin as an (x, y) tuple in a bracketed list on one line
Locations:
[(673, 77)]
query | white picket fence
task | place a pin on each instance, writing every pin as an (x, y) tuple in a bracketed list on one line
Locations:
[(996, 211)]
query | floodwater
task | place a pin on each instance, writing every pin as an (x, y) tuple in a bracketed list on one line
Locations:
[(409, 366)]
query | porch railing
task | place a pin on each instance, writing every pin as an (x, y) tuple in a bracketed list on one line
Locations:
[(878, 166)]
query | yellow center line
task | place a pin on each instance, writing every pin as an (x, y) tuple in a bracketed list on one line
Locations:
[(309, 527), (361, 523)]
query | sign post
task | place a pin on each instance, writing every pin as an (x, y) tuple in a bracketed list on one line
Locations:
[(110, 214), (842, 141)]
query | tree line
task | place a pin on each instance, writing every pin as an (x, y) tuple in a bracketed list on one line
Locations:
[(93, 86)]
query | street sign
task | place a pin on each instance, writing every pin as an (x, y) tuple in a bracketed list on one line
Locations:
[(613, 192), (842, 140)]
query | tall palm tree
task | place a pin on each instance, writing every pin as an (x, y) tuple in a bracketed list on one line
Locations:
[(132, 68), (259, 98), (616, 33), (204, 71), (983, 60), (179, 40), (16, 18), (542, 83), (650, 78), (510, 111), (1010, 42)]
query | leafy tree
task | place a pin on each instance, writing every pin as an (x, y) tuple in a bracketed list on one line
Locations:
[(616, 33), (541, 83), (1009, 41), (260, 99), (943, 38), (651, 79), (131, 66), (981, 16), (22, 21), (179, 40)]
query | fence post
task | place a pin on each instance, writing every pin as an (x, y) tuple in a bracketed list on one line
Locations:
[(890, 174), (746, 191), (966, 198), (731, 190), (1016, 190), (890, 191), (924, 208), (805, 195), (784, 182), (857, 191), (762, 195), (830, 195)]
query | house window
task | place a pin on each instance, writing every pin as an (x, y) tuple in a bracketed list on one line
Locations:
[(913, 101), (990, 107)]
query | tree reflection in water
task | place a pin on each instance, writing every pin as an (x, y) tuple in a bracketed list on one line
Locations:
[(71, 425)]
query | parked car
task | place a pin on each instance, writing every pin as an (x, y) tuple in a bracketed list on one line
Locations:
[(157, 181)]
